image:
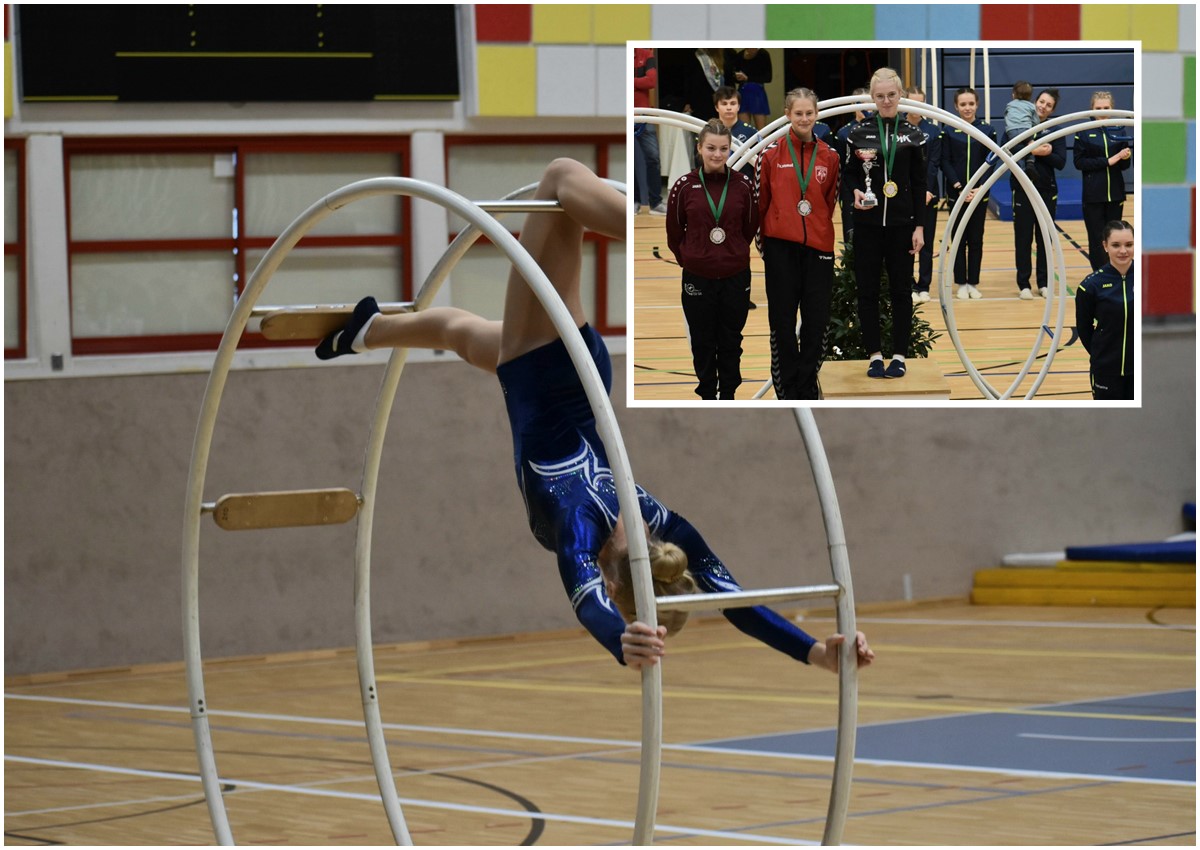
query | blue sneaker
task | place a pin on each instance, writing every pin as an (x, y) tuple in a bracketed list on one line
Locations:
[(875, 370), (339, 342), (895, 369)]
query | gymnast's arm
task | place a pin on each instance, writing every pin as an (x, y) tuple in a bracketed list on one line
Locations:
[(711, 575), (635, 644)]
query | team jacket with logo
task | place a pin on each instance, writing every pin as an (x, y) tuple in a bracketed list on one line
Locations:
[(1104, 317), (962, 156), (779, 192), (909, 171), (690, 221), (1102, 183)]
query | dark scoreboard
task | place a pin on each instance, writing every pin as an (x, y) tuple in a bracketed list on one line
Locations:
[(202, 53)]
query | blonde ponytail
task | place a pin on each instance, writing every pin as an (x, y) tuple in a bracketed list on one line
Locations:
[(669, 574)]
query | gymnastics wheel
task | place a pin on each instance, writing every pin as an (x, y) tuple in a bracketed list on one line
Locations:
[(280, 509)]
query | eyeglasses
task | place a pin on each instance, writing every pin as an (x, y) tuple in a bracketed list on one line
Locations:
[(887, 97)]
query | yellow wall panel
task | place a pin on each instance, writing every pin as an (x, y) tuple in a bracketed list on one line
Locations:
[(1156, 25), (620, 23), (506, 80), (1105, 23), (560, 23)]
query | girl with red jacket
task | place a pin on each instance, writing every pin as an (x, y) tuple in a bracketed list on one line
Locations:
[(711, 218), (797, 182)]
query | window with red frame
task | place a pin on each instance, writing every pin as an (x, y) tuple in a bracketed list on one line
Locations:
[(490, 167), (14, 249), (163, 234)]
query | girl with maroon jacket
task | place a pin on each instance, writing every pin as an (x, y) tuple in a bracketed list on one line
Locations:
[(797, 182), (711, 218)]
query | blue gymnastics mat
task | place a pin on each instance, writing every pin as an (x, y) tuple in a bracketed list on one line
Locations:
[(1165, 552)]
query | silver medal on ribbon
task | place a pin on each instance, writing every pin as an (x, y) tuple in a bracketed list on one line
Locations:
[(804, 207), (716, 235)]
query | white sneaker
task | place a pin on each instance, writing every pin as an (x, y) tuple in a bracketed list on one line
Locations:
[(661, 209), (973, 292), (916, 299), (1044, 292), (923, 295), (1026, 295), (963, 292)]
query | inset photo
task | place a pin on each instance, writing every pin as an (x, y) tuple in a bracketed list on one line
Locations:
[(869, 224)]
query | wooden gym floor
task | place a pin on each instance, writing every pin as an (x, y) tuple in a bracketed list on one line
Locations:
[(978, 725), (997, 332)]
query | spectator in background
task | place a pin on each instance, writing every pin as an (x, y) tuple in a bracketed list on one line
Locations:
[(702, 79), (647, 170), (962, 156), (1101, 155), (750, 70), (728, 105), (1040, 166), (933, 194), (1104, 307)]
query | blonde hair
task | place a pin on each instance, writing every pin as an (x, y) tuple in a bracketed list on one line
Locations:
[(669, 572), (799, 94), (1103, 95), (885, 75)]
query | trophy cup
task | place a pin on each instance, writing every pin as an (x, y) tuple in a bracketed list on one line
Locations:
[(867, 155)]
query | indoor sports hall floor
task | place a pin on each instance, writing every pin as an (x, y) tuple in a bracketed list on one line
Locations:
[(978, 725)]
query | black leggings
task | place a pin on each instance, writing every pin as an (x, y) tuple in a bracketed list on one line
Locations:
[(799, 279), (969, 259), (715, 310), (1025, 228), (1095, 216), (877, 247)]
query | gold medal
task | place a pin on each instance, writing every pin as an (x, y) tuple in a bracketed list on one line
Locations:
[(890, 189), (716, 236), (804, 207)]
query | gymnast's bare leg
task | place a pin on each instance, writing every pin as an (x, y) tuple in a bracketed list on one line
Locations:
[(553, 240)]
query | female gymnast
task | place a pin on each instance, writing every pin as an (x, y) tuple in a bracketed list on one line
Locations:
[(561, 466), (962, 156), (1040, 165), (1104, 315), (1102, 155), (888, 234)]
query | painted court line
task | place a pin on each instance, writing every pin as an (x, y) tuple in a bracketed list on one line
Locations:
[(406, 801)]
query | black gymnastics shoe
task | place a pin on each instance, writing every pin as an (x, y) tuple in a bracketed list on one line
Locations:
[(340, 342), (875, 370), (895, 369)]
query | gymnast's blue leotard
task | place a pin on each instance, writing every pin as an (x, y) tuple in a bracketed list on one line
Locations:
[(571, 498)]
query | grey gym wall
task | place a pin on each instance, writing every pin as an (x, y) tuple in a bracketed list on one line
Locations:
[(96, 468)]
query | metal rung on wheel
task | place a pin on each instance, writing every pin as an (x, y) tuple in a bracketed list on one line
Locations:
[(744, 598)]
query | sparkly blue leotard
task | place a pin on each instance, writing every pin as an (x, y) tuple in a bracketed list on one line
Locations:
[(571, 499)]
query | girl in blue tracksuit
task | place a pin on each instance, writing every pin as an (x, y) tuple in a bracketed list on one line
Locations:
[(562, 470), (1104, 316), (1102, 155)]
